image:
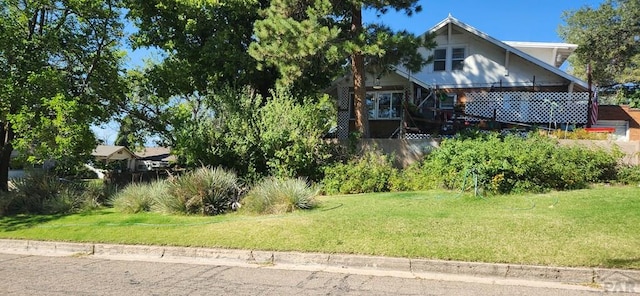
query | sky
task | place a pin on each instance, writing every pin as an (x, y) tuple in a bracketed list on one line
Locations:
[(506, 20)]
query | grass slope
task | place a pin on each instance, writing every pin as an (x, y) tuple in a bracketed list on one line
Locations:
[(593, 227)]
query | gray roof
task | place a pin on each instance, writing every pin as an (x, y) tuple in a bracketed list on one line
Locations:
[(106, 151), (156, 154)]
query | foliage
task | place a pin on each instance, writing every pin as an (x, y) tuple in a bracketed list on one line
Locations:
[(201, 53), (512, 164), (369, 172), (579, 134), (629, 175), (276, 196), (59, 73), (139, 197), (307, 41), (131, 133), (42, 193), (205, 191), (606, 38), (414, 178), (257, 138), (96, 194), (204, 44)]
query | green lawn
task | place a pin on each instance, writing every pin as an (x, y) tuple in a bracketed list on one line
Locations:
[(594, 227)]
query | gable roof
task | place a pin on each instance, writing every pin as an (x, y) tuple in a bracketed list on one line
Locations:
[(452, 20), (156, 154), (107, 151)]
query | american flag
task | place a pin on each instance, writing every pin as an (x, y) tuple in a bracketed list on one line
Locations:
[(594, 108)]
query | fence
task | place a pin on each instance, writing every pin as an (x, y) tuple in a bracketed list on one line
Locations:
[(529, 107)]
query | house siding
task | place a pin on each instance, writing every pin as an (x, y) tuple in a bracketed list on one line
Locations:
[(486, 64), (625, 113)]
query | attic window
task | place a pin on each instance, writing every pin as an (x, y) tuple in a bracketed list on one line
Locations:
[(440, 59), (457, 59)]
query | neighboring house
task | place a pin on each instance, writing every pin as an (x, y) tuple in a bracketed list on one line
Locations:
[(473, 78), (148, 159), (154, 158), (125, 159)]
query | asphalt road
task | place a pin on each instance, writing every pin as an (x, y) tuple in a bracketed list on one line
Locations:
[(39, 275)]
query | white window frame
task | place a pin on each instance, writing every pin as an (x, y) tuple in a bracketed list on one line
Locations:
[(449, 60), (454, 98), (440, 60), (374, 114), (460, 60)]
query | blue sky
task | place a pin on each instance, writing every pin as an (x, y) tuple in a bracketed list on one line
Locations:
[(506, 20)]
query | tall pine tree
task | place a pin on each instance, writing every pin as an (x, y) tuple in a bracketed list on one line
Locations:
[(304, 38), (609, 39)]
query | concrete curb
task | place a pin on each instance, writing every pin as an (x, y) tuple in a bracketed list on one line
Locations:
[(599, 276)]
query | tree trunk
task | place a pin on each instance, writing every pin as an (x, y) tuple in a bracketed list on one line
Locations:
[(6, 135), (357, 69)]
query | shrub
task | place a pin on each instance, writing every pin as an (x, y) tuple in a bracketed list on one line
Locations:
[(579, 134), (415, 177), (96, 194), (512, 164), (41, 193), (370, 172), (6, 199), (205, 191), (274, 196), (629, 175), (258, 137), (137, 197)]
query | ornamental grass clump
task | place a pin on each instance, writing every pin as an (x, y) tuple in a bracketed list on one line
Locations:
[(204, 191), (42, 193), (139, 197), (276, 196)]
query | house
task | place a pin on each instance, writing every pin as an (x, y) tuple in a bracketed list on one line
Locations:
[(119, 156), (154, 158), (474, 78)]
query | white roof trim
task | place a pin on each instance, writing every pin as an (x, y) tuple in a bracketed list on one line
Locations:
[(542, 44), (452, 20), (406, 74)]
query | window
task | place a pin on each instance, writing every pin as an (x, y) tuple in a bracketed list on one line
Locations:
[(449, 58), (381, 104), (457, 59), (440, 59), (447, 101)]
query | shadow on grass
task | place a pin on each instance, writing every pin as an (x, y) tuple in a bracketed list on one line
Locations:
[(19, 222), (624, 263)]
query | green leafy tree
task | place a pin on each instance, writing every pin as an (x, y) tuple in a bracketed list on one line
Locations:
[(59, 73), (314, 38), (204, 47), (130, 134), (607, 38), (204, 43), (256, 137)]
